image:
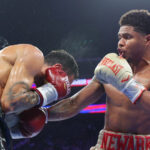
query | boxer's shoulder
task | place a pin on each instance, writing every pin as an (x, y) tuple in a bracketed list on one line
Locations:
[(25, 54), (31, 57), (22, 50)]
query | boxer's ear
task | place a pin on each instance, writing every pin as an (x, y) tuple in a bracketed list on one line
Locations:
[(59, 66)]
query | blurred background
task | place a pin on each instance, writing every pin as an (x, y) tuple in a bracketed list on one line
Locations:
[(85, 28)]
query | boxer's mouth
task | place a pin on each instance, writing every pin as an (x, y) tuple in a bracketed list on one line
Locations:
[(121, 52)]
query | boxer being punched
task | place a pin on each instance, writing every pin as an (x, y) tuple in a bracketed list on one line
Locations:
[(22, 65), (125, 79)]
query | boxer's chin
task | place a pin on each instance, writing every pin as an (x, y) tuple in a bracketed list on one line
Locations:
[(131, 60), (125, 56)]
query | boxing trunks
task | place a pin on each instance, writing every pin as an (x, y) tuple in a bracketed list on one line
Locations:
[(108, 140), (5, 138)]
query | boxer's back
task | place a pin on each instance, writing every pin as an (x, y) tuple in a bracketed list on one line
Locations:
[(18, 56)]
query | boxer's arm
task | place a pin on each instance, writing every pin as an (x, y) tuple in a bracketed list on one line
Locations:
[(115, 70), (16, 95), (71, 106)]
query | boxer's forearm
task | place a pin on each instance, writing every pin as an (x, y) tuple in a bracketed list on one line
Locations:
[(24, 102), (19, 100), (64, 109)]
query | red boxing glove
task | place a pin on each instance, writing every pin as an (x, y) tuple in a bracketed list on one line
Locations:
[(58, 85), (59, 79), (31, 122)]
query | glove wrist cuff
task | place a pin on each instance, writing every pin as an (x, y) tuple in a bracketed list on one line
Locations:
[(133, 90), (47, 94)]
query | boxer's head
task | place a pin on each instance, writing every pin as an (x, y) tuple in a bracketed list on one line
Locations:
[(134, 34), (65, 60)]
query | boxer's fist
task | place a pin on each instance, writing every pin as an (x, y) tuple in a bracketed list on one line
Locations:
[(58, 85), (115, 70), (30, 123), (59, 79)]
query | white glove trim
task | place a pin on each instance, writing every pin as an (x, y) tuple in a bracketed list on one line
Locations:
[(133, 90), (48, 92)]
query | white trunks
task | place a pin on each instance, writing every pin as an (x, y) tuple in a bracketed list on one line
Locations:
[(108, 140)]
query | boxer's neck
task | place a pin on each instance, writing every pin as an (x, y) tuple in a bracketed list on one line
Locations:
[(137, 67)]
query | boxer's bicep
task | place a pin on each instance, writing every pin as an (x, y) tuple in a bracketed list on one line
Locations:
[(71, 106)]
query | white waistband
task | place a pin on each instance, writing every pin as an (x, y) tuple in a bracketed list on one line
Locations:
[(109, 140)]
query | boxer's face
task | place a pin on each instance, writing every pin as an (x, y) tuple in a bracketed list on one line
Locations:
[(131, 44)]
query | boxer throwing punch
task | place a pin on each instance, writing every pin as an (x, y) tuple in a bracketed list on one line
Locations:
[(125, 79)]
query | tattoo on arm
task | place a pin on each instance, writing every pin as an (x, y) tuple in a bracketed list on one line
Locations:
[(12, 90), (21, 91), (63, 110)]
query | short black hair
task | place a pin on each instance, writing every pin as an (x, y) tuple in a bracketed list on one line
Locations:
[(67, 61), (139, 19)]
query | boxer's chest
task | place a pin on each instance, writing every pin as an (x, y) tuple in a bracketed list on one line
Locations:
[(124, 116), (114, 96)]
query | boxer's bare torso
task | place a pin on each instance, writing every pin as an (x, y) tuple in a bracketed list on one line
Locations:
[(123, 116)]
